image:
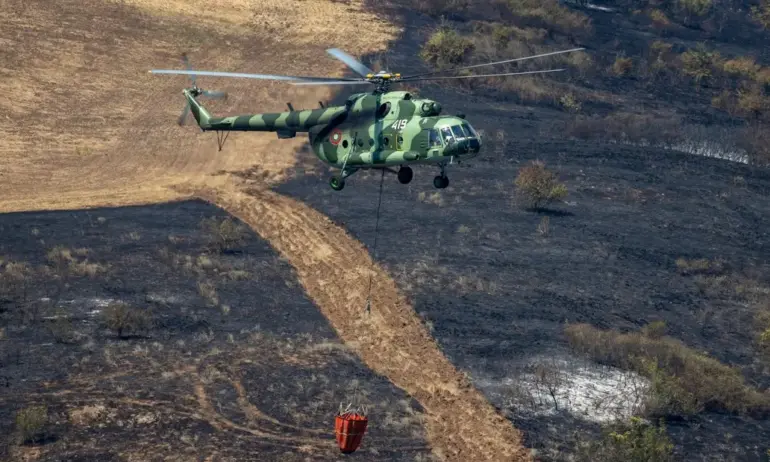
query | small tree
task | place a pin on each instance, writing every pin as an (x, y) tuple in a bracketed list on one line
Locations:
[(445, 48), (537, 186), (122, 319)]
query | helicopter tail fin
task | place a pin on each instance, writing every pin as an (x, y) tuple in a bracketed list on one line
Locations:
[(201, 115)]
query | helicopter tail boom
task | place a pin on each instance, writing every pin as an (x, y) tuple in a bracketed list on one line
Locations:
[(280, 122), (200, 113)]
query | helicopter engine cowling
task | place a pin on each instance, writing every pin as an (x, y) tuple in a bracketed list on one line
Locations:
[(428, 107)]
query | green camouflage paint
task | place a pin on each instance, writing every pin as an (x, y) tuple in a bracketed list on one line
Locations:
[(377, 130)]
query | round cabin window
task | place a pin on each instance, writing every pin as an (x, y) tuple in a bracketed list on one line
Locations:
[(383, 109), (345, 144)]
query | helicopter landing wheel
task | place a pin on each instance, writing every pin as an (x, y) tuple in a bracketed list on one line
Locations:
[(405, 175), (337, 183), (441, 182)]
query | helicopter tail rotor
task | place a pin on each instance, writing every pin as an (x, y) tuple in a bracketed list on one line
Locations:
[(199, 92)]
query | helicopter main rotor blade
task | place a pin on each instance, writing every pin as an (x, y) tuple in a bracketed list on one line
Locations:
[(492, 64), (215, 94), (484, 75), (350, 61), (187, 64), (334, 82), (249, 76)]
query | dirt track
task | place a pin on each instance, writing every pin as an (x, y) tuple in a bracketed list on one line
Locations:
[(94, 129)]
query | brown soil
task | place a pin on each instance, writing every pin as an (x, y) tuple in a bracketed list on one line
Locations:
[(93, 128)]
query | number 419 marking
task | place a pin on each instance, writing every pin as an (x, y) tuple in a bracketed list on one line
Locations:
[(399, 124)]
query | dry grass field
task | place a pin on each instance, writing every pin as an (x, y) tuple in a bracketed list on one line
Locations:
[(86, 126)]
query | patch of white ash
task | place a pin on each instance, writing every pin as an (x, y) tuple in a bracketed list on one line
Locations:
[(550, 385)]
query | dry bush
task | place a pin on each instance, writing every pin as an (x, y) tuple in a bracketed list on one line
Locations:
[(537, 186), (659, 18), (699, 63), (445, 47), (122, 319), (634, 441), (700, 266), (224, 235), (762, 326), (442, 7), (570, 103), (622, 66), (15, 280), (752, 101), (684, 382), (31, 422), (695, 7), (503, 33), (761, 13), (756, 142), (744, 67), (208, 291), (67, 262), (550, 14)]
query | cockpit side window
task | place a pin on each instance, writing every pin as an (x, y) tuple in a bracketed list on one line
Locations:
[(470, 131), (458, 131), (435, 140), (446, 134)]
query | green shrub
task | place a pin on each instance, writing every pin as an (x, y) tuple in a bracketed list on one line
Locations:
[(123, 319), (634, 441), (31, 422), (699, 63), (538, 186), (445, 48)]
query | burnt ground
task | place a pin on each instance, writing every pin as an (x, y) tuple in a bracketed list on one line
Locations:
[(252, 373), (496, 293)]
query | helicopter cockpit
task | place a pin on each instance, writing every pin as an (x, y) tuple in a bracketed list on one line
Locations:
[(460, 137)]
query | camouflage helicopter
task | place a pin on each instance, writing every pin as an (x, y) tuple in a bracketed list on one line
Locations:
[(380, 129)]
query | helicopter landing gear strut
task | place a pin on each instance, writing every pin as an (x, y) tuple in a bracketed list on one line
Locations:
[(337, 182), (441, 181)]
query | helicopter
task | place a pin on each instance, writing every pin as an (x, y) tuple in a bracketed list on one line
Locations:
[(379, 129)]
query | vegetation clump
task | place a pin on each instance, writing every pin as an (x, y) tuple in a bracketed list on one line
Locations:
[(445, 48), (31, 422), (699, 63), (224, 235), (537, 186), (684, 382), (632, 441), (123, 319)]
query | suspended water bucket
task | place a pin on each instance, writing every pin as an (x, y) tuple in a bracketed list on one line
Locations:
[(350, 427)]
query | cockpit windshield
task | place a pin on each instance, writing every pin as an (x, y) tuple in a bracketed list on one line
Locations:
[(458, 132), (446, 135)]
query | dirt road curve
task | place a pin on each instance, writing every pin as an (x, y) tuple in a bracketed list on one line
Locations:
[(86, 126)]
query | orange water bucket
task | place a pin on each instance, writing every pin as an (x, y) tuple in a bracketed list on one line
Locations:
[(350, 429)]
